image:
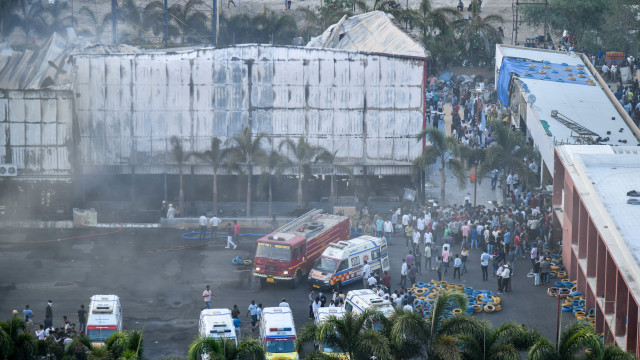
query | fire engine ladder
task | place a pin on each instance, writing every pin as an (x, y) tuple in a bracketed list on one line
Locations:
[(579, 129), (299, 221)]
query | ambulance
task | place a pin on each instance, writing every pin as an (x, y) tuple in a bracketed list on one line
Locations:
[(322, 315), (341, 263), (217, 324), (360, 300), (278, 334), (105, 318)]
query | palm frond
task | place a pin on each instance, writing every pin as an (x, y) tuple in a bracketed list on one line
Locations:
[(202, 345), (542, 349)]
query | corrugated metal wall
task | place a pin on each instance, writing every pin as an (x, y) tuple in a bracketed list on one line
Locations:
[(38, 126), (128, 106)]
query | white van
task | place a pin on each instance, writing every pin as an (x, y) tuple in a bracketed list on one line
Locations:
[(278, 334), (105, 318), (321, 316), (217, 324), (341, 263), (360, 300)]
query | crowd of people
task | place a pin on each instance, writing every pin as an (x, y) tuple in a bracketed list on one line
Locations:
[(46, 330)]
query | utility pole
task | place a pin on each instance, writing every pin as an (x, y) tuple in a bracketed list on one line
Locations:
[(114, 22), (214, 25), (165, 24)]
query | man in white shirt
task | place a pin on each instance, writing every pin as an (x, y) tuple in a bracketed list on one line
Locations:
[(40, 333), (202, 221), (420, 224), (404, 270), (388, 230), (416, 239), (614, 68), (283, 303), (372, 281), (484, 263), (428, 237), (215, 222), (405, 220), (605, 71), (366, 273)]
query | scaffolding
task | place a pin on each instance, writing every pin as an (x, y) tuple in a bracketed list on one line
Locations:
[(515, 5)]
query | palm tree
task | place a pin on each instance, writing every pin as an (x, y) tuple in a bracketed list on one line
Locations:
[(225, 350), (429, 18), (480, 27), (216, 158), (577, 339), (330, 158), (180, 156), (125, 344), (437, 336), (509, 153), (303, 154), (446, 150), (15, 341), (247, 151), (480, 341), (353, 334), (273, 165)]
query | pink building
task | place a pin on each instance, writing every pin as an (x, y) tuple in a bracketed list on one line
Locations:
[(600, 229)]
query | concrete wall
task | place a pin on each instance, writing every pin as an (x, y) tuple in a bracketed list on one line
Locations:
[(36, 132), (368, 107)]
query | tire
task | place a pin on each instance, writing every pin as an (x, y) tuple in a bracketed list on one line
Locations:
[(296, 280)]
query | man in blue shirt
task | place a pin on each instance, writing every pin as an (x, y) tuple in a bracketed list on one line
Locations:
[(253, 310)]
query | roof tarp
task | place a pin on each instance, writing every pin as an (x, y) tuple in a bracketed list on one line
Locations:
[(526, 69)]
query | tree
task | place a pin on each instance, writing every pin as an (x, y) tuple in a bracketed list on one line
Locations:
[(15, 341), (578, 339), (429, 18), (330, 158), (125, 344), (273, 165), (509, 153), (446, 150), (216, 158), (225, 350), (578, 17), (353, 334), (247, 151), (479, 31), (302, 155), (480, 341)]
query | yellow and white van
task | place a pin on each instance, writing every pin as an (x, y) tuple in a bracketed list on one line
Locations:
[(278, 334), (322, 315), (217, 324), (341, 263), (360, 300), (104, 318)]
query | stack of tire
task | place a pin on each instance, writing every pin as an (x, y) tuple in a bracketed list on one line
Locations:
[(479, 300)]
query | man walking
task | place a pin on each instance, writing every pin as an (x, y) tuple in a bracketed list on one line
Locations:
[(230, 237), (82, 319), (236, 231), (253, 310), (202, 221), (48, 315), (28, 316), (206, 295), (457, 266), (215, 222), (403, 274)]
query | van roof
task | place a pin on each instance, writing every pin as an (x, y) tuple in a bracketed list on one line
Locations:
[(366, 298), (345, 248), (218, 323), (278, 318), (325, 312)]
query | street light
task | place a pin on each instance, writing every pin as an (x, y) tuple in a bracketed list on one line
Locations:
[(559, 293)]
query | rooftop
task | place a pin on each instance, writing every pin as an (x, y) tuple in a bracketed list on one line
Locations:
[(603, 175), (372, 32)]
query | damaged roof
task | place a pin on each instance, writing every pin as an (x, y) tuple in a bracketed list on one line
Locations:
[(372, 32)]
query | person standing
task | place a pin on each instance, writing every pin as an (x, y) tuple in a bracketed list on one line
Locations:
[(506, 278), (412, 274), (236, 232), (418, 259), (386, 280), (536, 273), (283, 303), (464, 256), (171, 212), (230, 237), (499, 276), (40, 333), (366, 273), (388, 230), (202, 221), (545, 267), (404, 271), (379, 227), (163, 210), (312, 299), (215, 222), (408, 231), (484, 264), (48, 315), (253, 311), (427, 257), (28, 316), (457, 266), (445, 259), (439, 268), (206, 295), (82, 319)]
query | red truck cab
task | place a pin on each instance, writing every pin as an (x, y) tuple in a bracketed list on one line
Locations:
[(288, 253)]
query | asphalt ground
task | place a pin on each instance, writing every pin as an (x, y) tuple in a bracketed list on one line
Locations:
[(160, 277)]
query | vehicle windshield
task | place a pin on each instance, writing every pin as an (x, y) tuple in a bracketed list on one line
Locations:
[(326, 265), (329, 349), (273, 251), (99, 335), (281, 346)]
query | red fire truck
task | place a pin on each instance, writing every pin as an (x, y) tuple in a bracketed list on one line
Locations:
[(288, 253)]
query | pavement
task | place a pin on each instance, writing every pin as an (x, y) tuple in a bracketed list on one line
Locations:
[(160, 277)]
